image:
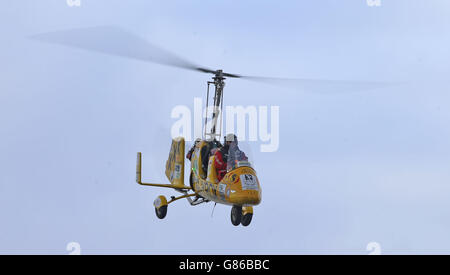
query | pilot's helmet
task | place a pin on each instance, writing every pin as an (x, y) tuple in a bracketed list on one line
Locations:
[(230, 137)]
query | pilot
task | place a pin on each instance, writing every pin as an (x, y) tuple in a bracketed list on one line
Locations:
[(221, 156), (235, 155)]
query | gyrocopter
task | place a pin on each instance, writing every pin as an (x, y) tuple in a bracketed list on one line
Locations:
[(239, 187)]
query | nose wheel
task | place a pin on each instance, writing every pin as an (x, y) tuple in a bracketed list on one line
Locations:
[(241, 215), (246, 219), (236, 215)]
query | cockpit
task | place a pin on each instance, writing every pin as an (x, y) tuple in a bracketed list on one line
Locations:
[(236, 157)]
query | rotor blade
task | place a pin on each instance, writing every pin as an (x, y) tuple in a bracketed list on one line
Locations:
[(317, 85), (116, 41)]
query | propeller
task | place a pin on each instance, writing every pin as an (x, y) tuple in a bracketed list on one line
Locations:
[(118, 42)]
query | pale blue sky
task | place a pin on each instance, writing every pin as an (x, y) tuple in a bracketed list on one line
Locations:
[(351, 168)]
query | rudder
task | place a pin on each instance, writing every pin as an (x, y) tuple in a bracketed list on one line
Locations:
[(175, 163)]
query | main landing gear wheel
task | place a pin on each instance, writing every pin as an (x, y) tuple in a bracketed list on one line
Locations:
[(160, 204), (236, 215), (246, 219), (161, 212)]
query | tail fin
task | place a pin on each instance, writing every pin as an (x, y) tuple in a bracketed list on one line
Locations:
[(138, 167), (175, 163)]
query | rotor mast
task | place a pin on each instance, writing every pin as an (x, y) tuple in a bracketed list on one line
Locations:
[(219, 84)]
